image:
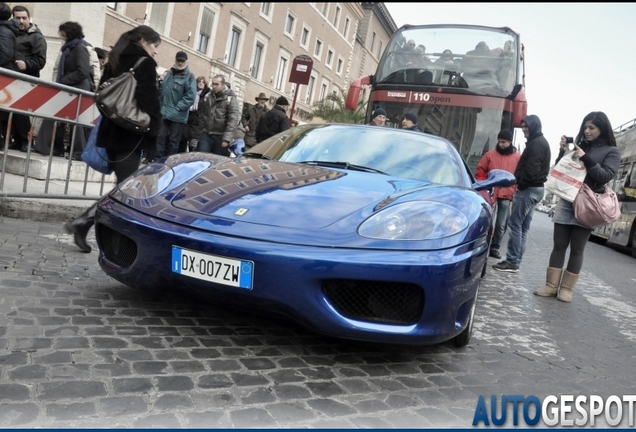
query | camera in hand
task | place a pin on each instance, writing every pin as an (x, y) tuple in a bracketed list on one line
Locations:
[(569, 140)]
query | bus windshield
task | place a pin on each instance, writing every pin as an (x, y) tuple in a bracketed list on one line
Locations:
[(479, 60)]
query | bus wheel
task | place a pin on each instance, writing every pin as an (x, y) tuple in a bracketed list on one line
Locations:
[(634, 242)]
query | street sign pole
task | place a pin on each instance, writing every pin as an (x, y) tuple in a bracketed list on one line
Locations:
[(300, 74)]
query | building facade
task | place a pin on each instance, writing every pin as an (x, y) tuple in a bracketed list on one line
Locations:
[(252, 44)]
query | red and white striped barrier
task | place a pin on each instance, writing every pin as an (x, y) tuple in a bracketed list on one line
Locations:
[(35, 97)]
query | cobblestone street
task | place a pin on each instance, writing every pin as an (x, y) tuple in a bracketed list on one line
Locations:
[(82, 350)]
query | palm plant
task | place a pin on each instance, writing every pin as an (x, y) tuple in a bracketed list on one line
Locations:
[(332, 109)]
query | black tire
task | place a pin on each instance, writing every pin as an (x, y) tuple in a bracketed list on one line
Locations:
[(634, 241), (597, 239), (462, 339)]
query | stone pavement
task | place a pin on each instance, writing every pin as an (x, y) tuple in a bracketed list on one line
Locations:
[(79, 349)]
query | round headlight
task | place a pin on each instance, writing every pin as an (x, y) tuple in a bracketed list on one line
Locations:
[(414, 220)]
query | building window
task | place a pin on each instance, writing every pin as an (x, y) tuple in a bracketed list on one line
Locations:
[(310, 89), (325, 9), (256, 61), (289, 24), (282, 72), (265, 7), (304, 37), (372, 41), (336, 17), (205, 32), (158, 15), (318, 49), (329, 59), (234, 45), (345, 32), (339, 66), (113, 6), (380, 50), (323, 92)]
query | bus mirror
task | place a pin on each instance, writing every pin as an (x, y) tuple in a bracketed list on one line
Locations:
[(519, 108), (353, 95)]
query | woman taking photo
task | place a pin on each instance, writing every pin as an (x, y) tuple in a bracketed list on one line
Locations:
[(124, 148), (595, 146)]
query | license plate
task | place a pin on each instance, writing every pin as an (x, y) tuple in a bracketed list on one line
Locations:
[(212, 268)]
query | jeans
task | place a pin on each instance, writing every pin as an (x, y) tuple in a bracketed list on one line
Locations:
[(523, 205), (501, 222), (212, 144), (169, 137)]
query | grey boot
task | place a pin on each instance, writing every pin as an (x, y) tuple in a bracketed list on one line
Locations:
[(552, 281), (567, 285)]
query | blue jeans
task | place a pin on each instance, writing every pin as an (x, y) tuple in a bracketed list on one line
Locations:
[(501, 222), (169, 137), (212, 144), (523, 205)]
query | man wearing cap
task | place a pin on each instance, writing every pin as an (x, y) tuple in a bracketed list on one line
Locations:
[(273, 121), (378, 118), (504, 156), (250, 120), (178, 91), (409, 121), (220, 118)]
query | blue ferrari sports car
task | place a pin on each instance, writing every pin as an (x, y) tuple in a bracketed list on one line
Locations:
[(358, 232)]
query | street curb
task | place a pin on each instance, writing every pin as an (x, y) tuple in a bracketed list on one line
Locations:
[(40, 210)]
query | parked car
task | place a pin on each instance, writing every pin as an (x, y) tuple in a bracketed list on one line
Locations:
[(359, 232)]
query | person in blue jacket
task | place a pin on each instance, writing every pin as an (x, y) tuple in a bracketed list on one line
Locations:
[(178, 91)]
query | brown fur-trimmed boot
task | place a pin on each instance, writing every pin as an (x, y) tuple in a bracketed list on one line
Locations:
[(567, 285), (552, 281)]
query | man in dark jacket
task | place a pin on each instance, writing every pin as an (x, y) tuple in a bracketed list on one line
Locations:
[(30, 60), (531, 174), (409, 121), (221, 116), (8, 33), (273, 121), (178, 91), (250, 120)]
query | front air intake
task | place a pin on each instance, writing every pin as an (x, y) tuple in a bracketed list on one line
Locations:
[(116, 247)]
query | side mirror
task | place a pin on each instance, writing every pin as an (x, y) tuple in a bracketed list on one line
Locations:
[(496, 178)]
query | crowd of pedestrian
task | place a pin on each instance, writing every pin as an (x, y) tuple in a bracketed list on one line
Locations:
[(193, 115)]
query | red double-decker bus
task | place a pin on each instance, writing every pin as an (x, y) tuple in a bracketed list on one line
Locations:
[(464, 82)]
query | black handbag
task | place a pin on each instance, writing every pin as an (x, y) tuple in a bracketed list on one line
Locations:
[(115, 99)]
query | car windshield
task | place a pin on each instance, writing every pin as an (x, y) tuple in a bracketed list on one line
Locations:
[(374, 149)]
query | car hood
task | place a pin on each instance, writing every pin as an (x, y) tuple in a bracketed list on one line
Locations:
[(282, 194), (287, 202)]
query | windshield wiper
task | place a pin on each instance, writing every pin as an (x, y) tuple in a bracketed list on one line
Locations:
[(345, 165), (257, 156)]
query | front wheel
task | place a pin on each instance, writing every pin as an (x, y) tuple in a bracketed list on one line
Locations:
[(462, 339), (634, 242)]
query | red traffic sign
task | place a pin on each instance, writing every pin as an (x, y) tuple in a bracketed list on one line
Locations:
[(301, 70)]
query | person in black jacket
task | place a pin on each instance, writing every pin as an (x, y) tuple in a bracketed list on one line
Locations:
[(531, 174), (8, 33), (124, 148), (409, 121), (72, 68), (194, 127), (596, 148), (273, 121), (30, 60)]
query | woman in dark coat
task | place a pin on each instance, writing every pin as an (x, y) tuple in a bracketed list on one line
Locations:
[(194, 127), (124, 148), (595, 146), (8, 32), (73, 69)]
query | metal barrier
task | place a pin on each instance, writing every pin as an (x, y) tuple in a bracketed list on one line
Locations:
[(47, 176)]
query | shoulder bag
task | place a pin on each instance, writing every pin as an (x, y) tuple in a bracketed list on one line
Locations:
[(96, 157), (566, 177), (115, 99), (596, 209)]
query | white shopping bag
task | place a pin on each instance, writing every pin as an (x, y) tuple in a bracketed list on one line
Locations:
[(566, 177)]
